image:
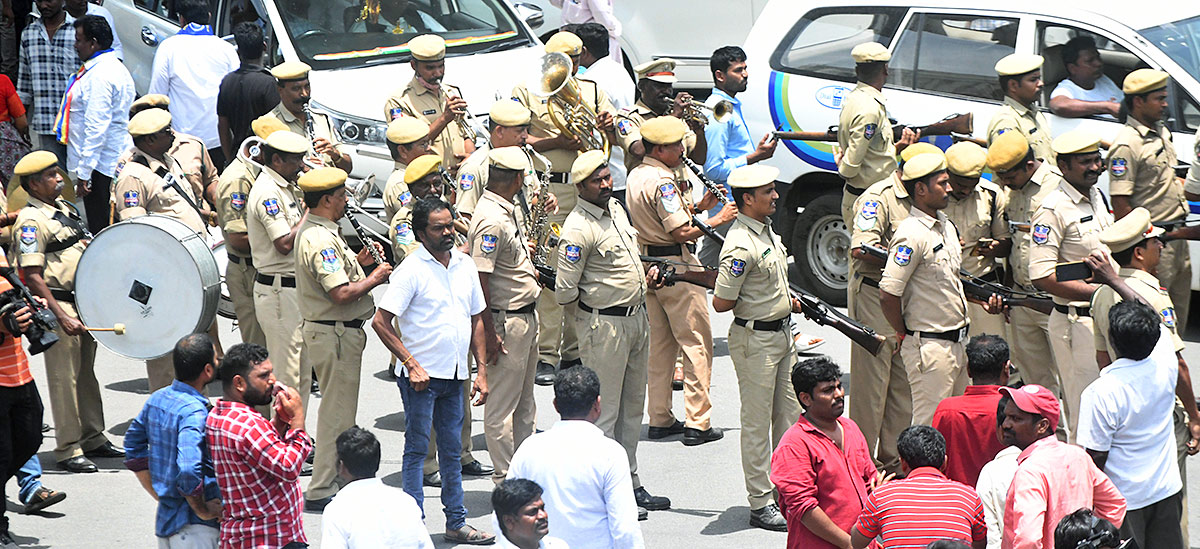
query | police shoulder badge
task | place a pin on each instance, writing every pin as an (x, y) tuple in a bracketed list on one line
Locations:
[(737, 267), (670, 198), (869, 131), (489, 243), (466, 181), (572, 252), (330, 262), (28, 234), (237, 201), (1118, 167), (405, 198), (903, 255), (271, 206), (1040, 233), (624, 127), (404, 234), (1168, 317), (397, 113), (131, 199)]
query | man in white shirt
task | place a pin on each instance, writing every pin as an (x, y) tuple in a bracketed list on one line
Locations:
[(588, 488), (366, 513), (188, 69), (80, 8), (436, 297), (1086, 91), (598, 66), (992, 487), (521, 516), (577, 12)]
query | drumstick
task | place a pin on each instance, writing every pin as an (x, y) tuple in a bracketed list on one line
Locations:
[(117, 328)]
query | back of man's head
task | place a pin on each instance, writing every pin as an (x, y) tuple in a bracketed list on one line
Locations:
[(1084, 525), (359, 451), (594, 37), (987, 355), (922, 446), (947, 544), (249, 39), (193, 11), (576, 390), (192, 354), (1133, 329), (510, 496), (238, 361)]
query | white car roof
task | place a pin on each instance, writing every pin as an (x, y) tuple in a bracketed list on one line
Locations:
[(1137, 15)]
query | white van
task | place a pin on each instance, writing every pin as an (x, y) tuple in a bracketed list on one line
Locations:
[(943, 53)]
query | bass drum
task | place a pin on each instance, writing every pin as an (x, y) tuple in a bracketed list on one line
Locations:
[(225, 305), (154, 275)]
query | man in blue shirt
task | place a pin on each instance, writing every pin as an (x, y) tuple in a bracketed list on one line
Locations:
[(166, 449)]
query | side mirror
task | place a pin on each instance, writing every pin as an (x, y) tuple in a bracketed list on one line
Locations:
[(530, 13)]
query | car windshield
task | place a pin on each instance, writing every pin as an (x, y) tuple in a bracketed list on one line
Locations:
[(1179, 40)]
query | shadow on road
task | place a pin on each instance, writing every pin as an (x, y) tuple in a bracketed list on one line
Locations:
[(733, 519), (139, 386)]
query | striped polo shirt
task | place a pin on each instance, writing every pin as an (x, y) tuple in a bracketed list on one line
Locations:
[(922, 508), (14, 364)]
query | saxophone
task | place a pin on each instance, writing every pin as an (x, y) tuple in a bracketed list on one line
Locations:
[(537, 223)]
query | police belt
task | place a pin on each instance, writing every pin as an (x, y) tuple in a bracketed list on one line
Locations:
[(1079, 311), (269, 280), (560, 177), (671, 249), (521, 311), (952, 335), (239, 260), (1168, 226), (62, 295), (347, 323), (762, 325), (611, 311), (869, 281), (854, 190)]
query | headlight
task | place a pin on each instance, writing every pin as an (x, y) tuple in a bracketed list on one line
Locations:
[(352, 129)]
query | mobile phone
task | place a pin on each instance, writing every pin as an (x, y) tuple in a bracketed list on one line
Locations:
[(1072, 271), (977, 249)]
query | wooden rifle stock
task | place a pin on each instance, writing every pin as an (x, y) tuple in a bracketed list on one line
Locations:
[(955, 124)]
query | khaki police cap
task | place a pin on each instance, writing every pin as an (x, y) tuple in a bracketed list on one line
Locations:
[(753, 176), (266, 125), (35, 162), (1018, 63), (586, 164), (1144, 81), (919, 147), (421, 167), (1008, 149), (509, 158), (922, 165), (1130, 230), (658, 70), (290, 70), (321, 179), (406, 129), (966, 159), (149, 121), (509, 113), (288, 141), (663, 130), (564, 42), (1076, 142), (428, 47), (160, 101), (870, 52)]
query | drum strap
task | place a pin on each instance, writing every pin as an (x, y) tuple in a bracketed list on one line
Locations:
[(67, 221), (170, 180)]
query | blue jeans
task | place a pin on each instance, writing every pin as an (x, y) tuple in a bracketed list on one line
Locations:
[(438, 407), (29, 478)]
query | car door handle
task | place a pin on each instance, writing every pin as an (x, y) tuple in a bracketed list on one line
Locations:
[(149, 37)]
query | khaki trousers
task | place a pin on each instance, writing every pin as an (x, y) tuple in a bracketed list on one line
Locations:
[(74, 393), (278, 312), (239, 278), (557, 338), (880, 397), (935, 372), (465, 458), (848, 201), (1030, 348), (763, 362), (1175, 274), (1074, 347), (679, 325), (509, 414), (617, 348), (336, 354), (983, 322)]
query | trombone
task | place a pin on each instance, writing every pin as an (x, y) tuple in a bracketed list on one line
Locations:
[(695, 110)]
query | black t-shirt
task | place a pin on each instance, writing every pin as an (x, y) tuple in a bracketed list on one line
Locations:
[(246, 94)]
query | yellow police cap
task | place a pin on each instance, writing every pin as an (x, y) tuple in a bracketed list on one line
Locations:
[(1144, 81), (1008, 149), (752, 176), (509, 113), (966, 159), (587, 163), (1018, 63), (158, 100), (266, 125), (35, 162), (406, 129), (509, 158), (663, 130), (287, 141), (870, 52), (149, 121), (290, 70), (1128, 231), (428, 47), (1076, 142), (321, 179), (658, 70), (920, 147), (421, 167), (564, 42), (922, 165)]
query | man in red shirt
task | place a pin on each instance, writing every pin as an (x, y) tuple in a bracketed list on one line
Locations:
[(822, 468), (20, 405), (969, 421), (925, 506)]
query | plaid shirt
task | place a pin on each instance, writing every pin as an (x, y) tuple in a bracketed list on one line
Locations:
[(46, 65), (259, 476)]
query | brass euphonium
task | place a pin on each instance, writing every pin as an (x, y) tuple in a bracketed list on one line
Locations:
[(567, 110)]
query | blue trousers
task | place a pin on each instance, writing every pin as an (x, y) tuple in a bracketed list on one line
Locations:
[(437, 408)]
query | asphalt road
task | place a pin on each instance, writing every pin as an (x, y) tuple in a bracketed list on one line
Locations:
[(709, 509)]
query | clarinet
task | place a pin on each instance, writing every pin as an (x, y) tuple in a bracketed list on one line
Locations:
[(366, 239), (712, 187)]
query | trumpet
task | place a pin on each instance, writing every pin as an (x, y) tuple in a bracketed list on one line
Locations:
[(567, 110), (466, 121), (695, 110)]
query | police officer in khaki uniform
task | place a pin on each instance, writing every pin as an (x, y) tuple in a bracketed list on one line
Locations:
[(508, 123), (408, 139), (599, 268), (335, 302), (657, 98), (510, 287), (49, 238), (440, 105), (752, 282), (1066, 228), (661, 209), (976, 209), (920, 292), (1141, 173), (324, 149), (188, 150), (1191, 187), (1021, 83)]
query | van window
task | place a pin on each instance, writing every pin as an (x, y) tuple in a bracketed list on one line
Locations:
[(820, 43), (1180, 40), (1188, 109), (952, 54), (1052, 37)]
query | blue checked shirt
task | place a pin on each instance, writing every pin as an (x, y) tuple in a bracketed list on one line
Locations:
[(46, 65), (167, 437)]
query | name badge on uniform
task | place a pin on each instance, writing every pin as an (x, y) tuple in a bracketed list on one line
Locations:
[(330, 262), (397, 113), (237, 201), (131, 199), (489, 243), (670, 198), (405, 198), (466, 181), (737, 267), (869, 131), (1040, 233), (903, 255), (429, 112), (1118, 167), (1168, 317), (271, 206), (572, 253), (624, 127), (404, 234)]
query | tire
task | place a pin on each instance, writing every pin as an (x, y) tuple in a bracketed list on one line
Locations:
[(821, 249)]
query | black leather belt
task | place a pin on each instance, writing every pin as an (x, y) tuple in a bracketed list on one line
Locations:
[(1171, 225), (612, 311), (560, 177), (762, 325), (854, 190), (62, 295), (522, 311), (952, 335), (269, 280), (869, 281), (239, 260), (1066, 310), (347, 323), (672, 249)]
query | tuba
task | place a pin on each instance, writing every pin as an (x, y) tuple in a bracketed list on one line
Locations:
[(250, 148), (567, 110)]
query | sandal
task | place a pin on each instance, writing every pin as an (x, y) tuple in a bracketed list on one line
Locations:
[(468, 535)]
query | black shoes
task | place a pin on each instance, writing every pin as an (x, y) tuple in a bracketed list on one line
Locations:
[(432, 480), (78, 464), (565, 364), (43, 498), (696, 437), (643, 514), (306, 470), (768, 518), (106, 450), (316, 505), (651, 503), (656, 433), (6, 541), (477, 469), (545, 374)]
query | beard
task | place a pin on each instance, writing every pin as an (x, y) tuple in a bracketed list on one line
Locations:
[(254, 397), (444, 244)]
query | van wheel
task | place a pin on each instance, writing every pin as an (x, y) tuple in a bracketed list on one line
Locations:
[(821, 249)]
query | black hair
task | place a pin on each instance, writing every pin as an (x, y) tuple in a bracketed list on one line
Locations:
[(238, 361), (739, 195), (921, 446), (1075, 46), (194, 11), (96, 28), (359, 451), (502, 175), (947, 544), (986, 356), (724, 57), (312, 198), (249, 40), (594, 37), (1000, 406), (807, 374), (1133, 329), (421, 211), (869, 71), (1125, 257), (27, 179), (1083, 526), (575, 391), (192, 353), (510, 496)]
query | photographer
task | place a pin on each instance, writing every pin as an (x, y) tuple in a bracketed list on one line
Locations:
[(1084, 530)]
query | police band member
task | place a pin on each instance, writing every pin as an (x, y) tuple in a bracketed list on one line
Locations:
[(295, 91), (655, 80), (188, 151), (1021, 82), (501, 252), (599, 268), (335, 301), (428, 99), (508, 122), (1066, 228), (661, 209), (408, 139), (752, 282)]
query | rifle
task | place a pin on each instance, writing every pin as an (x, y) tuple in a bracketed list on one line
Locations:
[(956, 124)]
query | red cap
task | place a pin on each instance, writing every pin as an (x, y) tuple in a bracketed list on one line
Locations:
[(1035, 399)]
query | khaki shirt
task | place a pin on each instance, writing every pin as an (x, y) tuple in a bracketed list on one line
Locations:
[(629, 122), (658, 204), (395, 192), (753, 271), (1019, 208), (1193, 177), (1066, 228), (1147, 286), (192, 157), (473, 178), (400, 234), (877, 213), (922, 269), (324, 262), (36, 228), (233, 194), (415, 100), (321, 128), (1030, 122), (979, 215), (141, 190), (866, 138), (1141, 165), (499, 249), (598, 260), (542, 126), (275, 207)]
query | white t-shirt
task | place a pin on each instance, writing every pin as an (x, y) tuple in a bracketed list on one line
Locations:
[(1103, 90), (618, 86), (368, 514), (992, 487)]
